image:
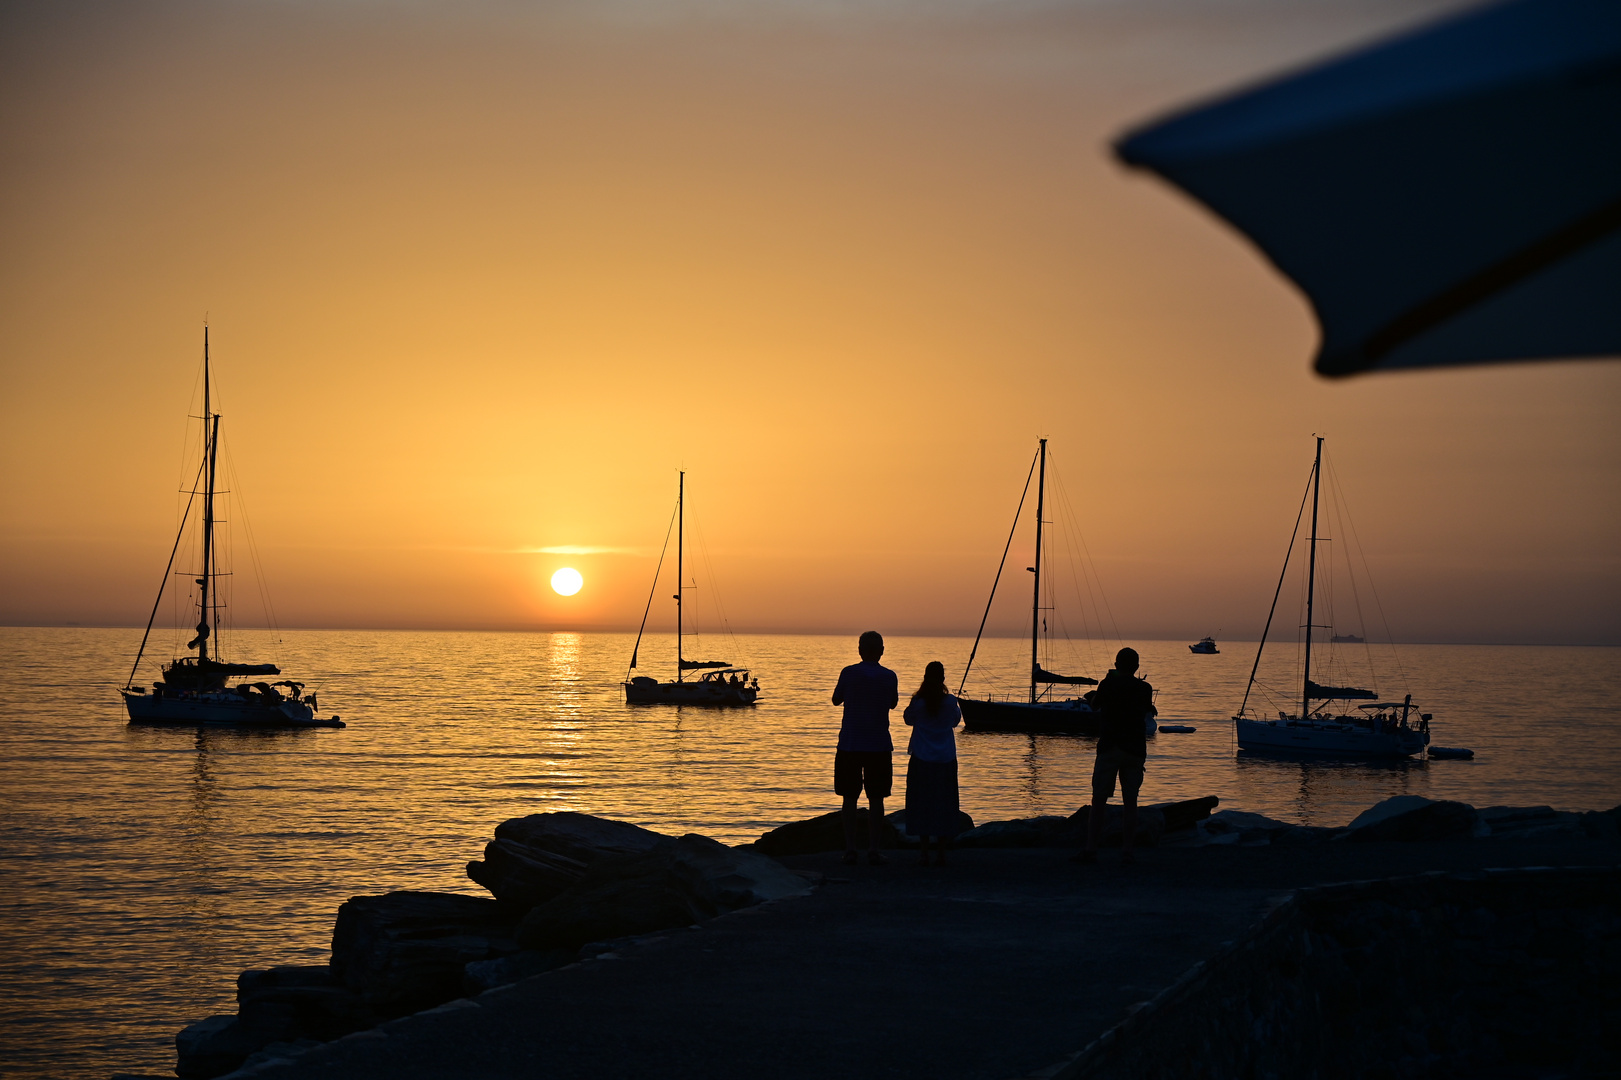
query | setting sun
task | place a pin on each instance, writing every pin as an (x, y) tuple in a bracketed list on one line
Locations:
[(567, 581)]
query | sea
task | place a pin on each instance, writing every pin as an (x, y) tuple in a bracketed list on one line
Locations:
[(144, 867)]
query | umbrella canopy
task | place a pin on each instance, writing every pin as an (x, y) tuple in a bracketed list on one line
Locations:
[(1451, 196)]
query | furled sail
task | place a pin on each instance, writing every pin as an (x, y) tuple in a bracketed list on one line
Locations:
[(218, 667), (1338, 693), (688, 665), (1042, 675)]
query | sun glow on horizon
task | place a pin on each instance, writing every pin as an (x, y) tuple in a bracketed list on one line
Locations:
[(567, 581)]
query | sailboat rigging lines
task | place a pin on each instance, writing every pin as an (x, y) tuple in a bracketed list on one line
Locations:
[(1381, 730), (721, 684), (1040, 711), (193, 689)]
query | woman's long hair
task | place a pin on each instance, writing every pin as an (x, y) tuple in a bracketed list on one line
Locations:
[(933, 690)]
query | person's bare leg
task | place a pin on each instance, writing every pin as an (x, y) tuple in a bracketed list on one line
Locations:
[(1129, 839), (1094, 822), (875, 823), (851, 805)]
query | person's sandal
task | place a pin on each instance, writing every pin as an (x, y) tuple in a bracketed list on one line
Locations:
[(876, 859)]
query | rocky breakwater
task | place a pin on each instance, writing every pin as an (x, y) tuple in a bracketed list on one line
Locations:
[(1407, 818), (563, 886), (1155, 823)]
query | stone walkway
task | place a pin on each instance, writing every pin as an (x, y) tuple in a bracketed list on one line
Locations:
[(997, 967)]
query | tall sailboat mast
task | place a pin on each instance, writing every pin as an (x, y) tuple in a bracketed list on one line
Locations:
[(1035, 601), (680, 579), (1311, 578), (210, 440)]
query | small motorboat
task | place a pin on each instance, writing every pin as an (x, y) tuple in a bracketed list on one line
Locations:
[(1206, 647), (1458, 753), (1178, 729)]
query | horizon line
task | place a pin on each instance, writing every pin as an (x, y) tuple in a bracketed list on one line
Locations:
[(908, 633)]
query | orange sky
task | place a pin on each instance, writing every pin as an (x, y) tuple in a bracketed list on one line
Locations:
[(481, 279)]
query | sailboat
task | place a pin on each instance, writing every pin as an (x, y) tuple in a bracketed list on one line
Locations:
[(193, 689), (718, 682), (1040, 712), (1382, 729)]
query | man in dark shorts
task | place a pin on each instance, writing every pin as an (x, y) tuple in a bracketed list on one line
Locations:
[(1122, 701), (867, 691)]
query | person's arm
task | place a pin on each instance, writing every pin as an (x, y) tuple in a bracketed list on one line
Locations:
[(894, 690), (838, 690), (909, 715)]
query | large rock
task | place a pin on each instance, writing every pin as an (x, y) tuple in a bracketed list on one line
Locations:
[(1186, 813), (1038, 832), (302, 1003), (1413, 817), (1602, 824), (482, 975), (407, 951), (676, 884), (1524, 821), (581, 837), (1249, 829), (1153, 822), (523, 876), (1150, 826), (898, 820), (825, 833), (214, 1047), (534, 858), (275, 1006)]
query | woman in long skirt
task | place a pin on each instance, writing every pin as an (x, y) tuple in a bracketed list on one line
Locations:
[(931, 774)]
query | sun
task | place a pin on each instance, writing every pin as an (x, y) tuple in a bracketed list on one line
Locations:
[(567, 581)]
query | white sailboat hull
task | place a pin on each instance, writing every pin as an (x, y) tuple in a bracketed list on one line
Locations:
[(1338, 736)]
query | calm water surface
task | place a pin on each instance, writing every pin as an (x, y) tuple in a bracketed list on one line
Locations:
[(143, 868)]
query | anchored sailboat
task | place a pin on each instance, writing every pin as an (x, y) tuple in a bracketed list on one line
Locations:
[(1040, 712), (1380, 730), (720, 684), (193, 689)]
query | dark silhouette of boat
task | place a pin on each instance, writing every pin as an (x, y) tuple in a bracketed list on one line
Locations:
[(1040, 712), (1346, 639), (1380, 730), (196, 689), (720, 684), (1205, 647)]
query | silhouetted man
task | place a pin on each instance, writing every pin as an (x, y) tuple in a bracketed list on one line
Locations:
[(1122, 701), (867, 691)]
